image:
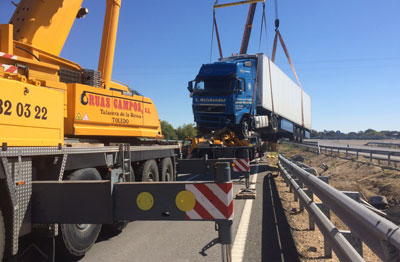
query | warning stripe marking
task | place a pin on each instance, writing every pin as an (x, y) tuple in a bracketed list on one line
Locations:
[(225, 209), (204, 203), (203, 213), (213, 201), (221, 194), (9, 68), (192, 214), (241, 165), (5, 55), (226, 187)]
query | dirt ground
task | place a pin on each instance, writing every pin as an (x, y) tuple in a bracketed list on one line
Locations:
[(346, 173)]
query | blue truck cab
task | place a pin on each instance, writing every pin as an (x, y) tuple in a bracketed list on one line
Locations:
[(223, 95)]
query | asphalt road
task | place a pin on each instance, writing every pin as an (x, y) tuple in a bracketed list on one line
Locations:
[(266, 234), (165, 241)]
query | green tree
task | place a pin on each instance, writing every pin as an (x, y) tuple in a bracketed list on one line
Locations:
[(168, 131), (187, 130)]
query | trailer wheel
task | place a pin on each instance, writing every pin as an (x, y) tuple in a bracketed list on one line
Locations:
[(166, 169), (244, 128), (149, 171), (2, 236), (77, 239)]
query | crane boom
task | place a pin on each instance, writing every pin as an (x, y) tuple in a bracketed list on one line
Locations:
[(247, 28)]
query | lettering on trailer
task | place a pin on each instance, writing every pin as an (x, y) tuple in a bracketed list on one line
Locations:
[(241, 165), (208, 201), (122, 110), (20, 109)]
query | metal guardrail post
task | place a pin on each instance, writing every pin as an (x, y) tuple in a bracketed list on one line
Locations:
[(370, 157), (389, 159), (378, 233), (354, 240), (225, 235), (311, 223), (357, 154), (318, 148), (343, 249), (327, 212)]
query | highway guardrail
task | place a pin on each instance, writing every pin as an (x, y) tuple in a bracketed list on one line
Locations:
[(378, 233), (371, 153)]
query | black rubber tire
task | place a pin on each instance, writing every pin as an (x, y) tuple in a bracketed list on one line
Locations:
[(149, 171), (166, 170), (274, 123), (2, 236), (301, 135), (244, 128), (76, 240)]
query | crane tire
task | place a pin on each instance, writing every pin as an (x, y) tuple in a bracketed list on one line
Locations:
[(149, 171), (2, 236), (77, 239), (166, 170)]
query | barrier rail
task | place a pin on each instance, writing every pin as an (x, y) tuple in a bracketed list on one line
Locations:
[(387, 154), (379, 234)]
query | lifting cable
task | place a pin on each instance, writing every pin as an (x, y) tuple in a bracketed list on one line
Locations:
[(278, 35)]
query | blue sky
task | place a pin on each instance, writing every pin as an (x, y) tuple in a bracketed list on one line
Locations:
[(346, 53)]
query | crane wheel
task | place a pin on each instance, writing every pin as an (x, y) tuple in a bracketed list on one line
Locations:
[(149, 171), (166, 170), (2, 236), (77, 239)]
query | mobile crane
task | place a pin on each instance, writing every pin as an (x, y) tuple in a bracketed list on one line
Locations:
[(46, 102)]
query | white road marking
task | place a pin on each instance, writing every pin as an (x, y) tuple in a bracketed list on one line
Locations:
[(241, 234)]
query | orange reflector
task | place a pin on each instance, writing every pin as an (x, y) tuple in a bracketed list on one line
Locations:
[(20, 183)]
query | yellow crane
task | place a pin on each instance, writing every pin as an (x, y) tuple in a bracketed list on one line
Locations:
[(44, 97)]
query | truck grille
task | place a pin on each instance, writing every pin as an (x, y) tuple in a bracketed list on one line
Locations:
[(209, 108)]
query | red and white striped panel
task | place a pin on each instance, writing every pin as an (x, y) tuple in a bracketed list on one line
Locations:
[(213, 201), (241, 165), (10, 68), (5, 55)]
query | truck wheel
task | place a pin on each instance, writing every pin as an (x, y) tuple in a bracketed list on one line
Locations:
[(274, 123), (149, 171), (2, 237), (166, 169), (301, 135), (244, 128), (77, 239)]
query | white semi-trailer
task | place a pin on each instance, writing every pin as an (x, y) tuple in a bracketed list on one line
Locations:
[(249, 92)]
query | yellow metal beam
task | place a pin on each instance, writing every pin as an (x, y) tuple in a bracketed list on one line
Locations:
[(237, 3), (108, 42)]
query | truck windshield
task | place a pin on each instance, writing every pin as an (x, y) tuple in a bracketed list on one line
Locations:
[(214, 86)]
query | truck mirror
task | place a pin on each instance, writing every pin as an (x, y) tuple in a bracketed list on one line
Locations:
[(190, 86)]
